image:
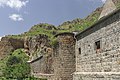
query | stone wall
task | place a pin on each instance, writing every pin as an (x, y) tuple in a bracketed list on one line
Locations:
[(40, 52), (64, 61), (107, 57), (97, 76), (42, 68), (38, 66)]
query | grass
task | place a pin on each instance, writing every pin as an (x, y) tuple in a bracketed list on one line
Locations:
[(31, 78)]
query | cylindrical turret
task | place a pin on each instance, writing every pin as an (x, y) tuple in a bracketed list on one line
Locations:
[(65, 57)]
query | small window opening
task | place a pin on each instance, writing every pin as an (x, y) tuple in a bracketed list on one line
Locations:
[(97, 45), (79, 50)]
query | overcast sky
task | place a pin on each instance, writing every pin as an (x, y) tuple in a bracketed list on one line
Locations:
[(17, 16)]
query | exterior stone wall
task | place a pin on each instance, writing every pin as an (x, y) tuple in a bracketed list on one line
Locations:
[(97, 76), (38, 66), (40, 52), (42, 68), (42, 65), (64, 61), (107, 58)]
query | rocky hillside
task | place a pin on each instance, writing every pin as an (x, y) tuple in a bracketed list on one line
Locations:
[(81, 24), (50, 31), (77, 25), (46, 32), (40, 40)]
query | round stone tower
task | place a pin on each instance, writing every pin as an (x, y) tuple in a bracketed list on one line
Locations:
[(65, 57)]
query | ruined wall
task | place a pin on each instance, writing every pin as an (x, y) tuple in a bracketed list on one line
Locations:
[(42, 68), (38, 66), (107, 58), (64, 61), (40, 52)]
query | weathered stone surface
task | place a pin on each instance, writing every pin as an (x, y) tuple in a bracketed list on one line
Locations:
[(41, 55), (105, 59), (9, 44), (96, 76), (64, 61), (109, 52), (37, 45), (108, 8)]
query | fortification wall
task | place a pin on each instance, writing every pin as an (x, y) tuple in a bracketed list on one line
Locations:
[(97, 76), (104, 57), (38, 66), (64, 61), (40, 52)]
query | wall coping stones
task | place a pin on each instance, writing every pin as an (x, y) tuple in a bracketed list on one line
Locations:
[(34, 60), (44, 74)]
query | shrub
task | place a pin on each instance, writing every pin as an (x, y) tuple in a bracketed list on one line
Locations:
[(17, 66)]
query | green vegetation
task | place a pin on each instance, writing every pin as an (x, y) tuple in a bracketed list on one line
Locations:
[(81, 24), (45, 29), (77, 25), (118, 5), (30, 78), (17, 66)]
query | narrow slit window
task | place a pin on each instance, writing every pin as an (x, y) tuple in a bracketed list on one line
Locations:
[(97, 45), (79, 50)]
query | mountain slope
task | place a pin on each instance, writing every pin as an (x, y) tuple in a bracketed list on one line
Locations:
[(81, 24)]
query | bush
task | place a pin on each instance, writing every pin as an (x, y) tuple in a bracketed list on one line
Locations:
[(17, 66)]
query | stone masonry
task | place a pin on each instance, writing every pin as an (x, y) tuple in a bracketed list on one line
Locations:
[(64, 61), (108, 7), (98, 50), (58, 65), (93, 54), (40, 53)]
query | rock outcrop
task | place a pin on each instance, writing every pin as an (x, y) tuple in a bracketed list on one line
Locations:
[(37, 45), (7, 45), (40, 52)]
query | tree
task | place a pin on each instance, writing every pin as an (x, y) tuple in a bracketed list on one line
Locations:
[(17, 66)]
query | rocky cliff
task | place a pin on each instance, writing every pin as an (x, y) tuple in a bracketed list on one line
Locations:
[(37, 45), (7, 45), (39, 41)]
